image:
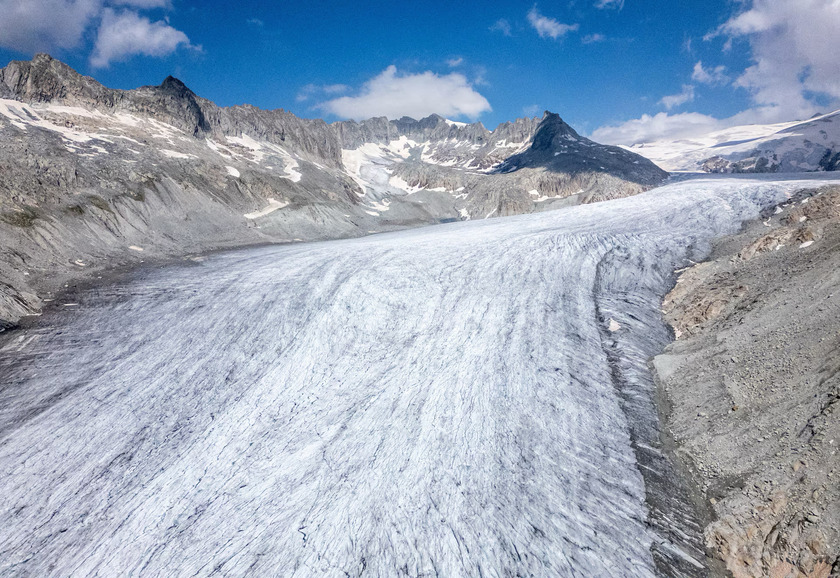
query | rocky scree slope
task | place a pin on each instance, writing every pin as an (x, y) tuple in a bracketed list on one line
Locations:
[(92, 178), (753, 385)]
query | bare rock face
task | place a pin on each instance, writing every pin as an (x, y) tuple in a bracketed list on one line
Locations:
[(44, 79), (92, 178)]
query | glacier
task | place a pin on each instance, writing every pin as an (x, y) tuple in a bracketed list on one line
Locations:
[(468, 399)]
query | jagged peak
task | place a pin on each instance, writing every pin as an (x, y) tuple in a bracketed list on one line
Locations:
[(173, 85), (42, 57), (45, 79)]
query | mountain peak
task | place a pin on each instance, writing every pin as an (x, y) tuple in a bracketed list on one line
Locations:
[(551, 130), (42, 57), (175, 87), (45, 79)]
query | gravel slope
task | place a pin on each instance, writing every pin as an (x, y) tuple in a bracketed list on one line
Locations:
[(753, 382)]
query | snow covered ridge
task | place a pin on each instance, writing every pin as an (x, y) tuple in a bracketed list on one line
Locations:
[(171, 121), (433, 169), (528, 166), (83, 139), (810, 145)]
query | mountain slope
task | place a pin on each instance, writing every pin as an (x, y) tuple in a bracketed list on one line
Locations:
[(811, 145), (94, 177)]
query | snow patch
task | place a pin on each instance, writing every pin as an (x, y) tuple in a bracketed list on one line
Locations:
[(402, 184), (273, 205), (176, 155)]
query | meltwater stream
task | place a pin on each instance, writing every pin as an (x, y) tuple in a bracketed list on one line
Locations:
[(440, 402)]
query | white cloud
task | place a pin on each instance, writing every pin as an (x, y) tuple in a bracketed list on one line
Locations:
[(142, 4), (502, 26), (455, 62), (480, 78), (549, 27), (602, 4), (794, 46), (674, 100), (335, 88), (127, 33), (658, 127), (531, 110), (29, 26), (47, 25), (306, 92), (416, 95), (664, 126), (716, 75), (310, 90), (593, 38)]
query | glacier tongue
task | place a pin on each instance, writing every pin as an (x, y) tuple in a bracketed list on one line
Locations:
[(438, 401)]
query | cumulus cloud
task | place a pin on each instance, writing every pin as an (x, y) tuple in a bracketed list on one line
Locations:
[(455, 62), (395, 95), (716, 75), (29, 26), (47, 25), (549, 27), (674, 100), (125, 34), (602, 4), (794, 46), (502, 26), (658, 127)]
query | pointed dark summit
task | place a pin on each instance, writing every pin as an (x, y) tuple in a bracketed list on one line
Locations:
[(558, 148), (551, 131)]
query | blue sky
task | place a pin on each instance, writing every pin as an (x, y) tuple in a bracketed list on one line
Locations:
[(626, 69)]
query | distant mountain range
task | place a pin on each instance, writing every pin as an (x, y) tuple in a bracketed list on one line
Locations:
[(94, 177), (810, 145)]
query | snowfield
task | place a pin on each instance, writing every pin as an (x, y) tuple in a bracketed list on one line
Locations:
[(456, 401), (793, 146)]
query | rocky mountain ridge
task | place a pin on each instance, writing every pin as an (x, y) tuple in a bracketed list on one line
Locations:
[(94, 177)]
